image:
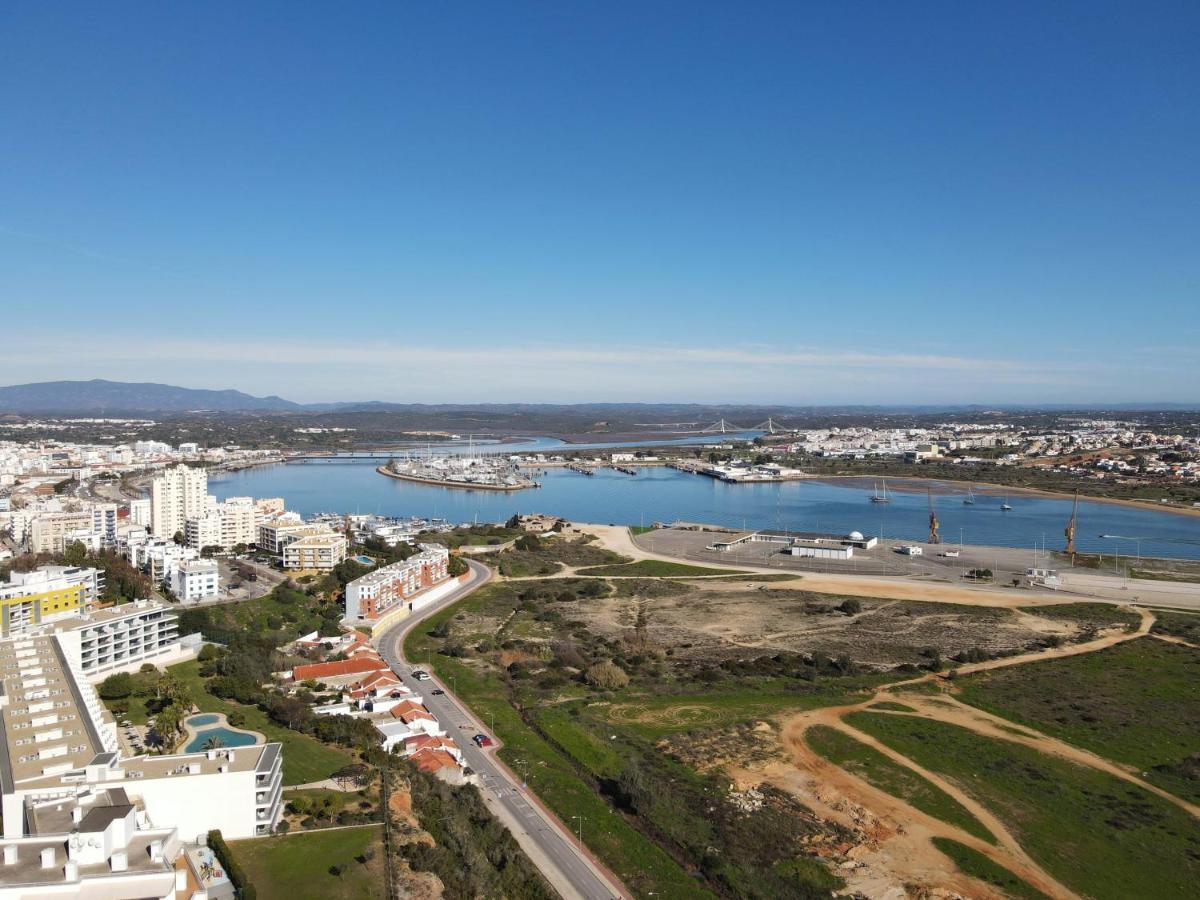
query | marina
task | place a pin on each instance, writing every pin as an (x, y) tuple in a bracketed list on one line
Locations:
[(664, 494)]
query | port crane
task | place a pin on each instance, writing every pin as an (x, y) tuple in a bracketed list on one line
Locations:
[(934, 537), (1072, 525)]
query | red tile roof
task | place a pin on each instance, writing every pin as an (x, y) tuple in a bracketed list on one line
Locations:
[(433, 760), (339, 669)]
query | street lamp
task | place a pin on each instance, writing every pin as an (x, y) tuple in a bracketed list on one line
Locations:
[(580, 818)]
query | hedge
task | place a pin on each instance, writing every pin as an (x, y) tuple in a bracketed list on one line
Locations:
[(217, 845)]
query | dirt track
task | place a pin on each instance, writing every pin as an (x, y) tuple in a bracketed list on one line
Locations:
[(900, 848)]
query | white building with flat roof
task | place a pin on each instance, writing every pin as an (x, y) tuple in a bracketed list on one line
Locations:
[(196, 580), (59, 743)]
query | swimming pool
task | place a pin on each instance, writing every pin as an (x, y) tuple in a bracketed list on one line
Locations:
[(364, 560), (205, 719), (226, 736)]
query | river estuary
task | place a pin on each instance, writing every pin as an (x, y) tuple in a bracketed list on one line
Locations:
[(665, 495)]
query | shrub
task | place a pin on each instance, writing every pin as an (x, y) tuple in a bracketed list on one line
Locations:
[(116, 687), (607, 676)]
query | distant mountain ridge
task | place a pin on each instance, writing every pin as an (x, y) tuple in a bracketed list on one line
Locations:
[(100, 396)]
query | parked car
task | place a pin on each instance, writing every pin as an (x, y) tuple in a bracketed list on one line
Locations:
[(420, 675), (437, 692), (482, 740)]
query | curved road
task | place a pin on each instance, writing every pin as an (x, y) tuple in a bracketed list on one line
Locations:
[(551, 847)]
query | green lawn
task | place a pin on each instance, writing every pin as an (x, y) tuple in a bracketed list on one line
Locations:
[(1135, 703), (297, 865), (1100, 836), (971, 862), (305, 759), (655, 568), (875, 768)]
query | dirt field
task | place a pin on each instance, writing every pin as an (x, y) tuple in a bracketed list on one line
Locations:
[(715, 621)]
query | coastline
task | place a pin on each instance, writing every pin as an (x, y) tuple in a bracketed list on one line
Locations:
[(458, 485), (991, 488)]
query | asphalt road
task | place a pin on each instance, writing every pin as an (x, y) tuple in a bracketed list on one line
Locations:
[(554, 849)]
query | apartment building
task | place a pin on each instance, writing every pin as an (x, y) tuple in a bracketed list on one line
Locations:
[(105, 519), (45, 595), (123, 638), (381, 591), (318, 552), (274, 536), (51, 532), (179, 494), (195, 580), (239, 521), (139, 512), (159, 557), (60, 746)]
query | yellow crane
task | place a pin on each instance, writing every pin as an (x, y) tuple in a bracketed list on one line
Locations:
[(1069, 531)]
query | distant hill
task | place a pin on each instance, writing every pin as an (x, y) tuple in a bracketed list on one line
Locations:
[(113, 397)]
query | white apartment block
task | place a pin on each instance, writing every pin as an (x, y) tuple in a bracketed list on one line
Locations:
[(203, 532), (239, 521), (196, 580), (179, 494), (274, 536), (139, 512), (159, 557), (319, 552), (60, 746), (123, 638)]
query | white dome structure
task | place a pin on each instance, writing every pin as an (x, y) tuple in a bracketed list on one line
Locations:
[(855, 536)]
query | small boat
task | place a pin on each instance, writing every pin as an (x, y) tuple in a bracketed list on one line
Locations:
[(1005, 507), (878, 497), (969, 500)]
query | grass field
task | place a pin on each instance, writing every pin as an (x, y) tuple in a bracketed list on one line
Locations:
[(971, 862), (655, 568), (1135, 703), (297, 865), (305, 759), (875, 768), (1098, 835)]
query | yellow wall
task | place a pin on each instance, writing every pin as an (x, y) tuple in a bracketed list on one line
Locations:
[(50, 603)]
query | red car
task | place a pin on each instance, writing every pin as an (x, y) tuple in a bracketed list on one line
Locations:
[(482, 740)]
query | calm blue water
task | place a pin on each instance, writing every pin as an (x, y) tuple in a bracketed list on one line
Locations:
[(229, 738), (665, 495), (204, 719)]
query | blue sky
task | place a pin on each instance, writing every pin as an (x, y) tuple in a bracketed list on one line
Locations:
[(789, 203)]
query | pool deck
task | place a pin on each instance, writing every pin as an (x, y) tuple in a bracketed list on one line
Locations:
[(220, 721)]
